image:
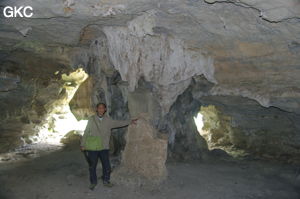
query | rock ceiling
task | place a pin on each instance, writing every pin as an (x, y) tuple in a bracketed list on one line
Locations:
[(247, 48)]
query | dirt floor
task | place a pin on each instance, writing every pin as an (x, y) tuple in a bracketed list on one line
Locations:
[(63, 174)]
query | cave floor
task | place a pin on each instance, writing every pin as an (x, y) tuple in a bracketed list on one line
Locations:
[(63, 174)]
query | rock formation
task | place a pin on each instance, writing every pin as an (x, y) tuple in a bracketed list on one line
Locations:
[(144, 156)]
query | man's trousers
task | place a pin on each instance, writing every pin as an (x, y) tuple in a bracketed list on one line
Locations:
[(93, 157)]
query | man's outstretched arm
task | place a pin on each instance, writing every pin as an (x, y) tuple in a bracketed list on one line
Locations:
[(122, 123)]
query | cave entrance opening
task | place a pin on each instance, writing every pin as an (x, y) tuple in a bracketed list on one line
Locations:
[(199, 122), (214, 127), (60, 123)]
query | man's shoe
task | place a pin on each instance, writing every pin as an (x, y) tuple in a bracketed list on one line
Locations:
[(107, 184), (92, 186)]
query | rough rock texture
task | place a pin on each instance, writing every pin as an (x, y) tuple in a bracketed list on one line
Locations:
[(236, 40), (71, 138), (43, 97), (81, 105), (164, 61), (145, 154), (245, 125), (185, 143), (274, 11), (239, 125)]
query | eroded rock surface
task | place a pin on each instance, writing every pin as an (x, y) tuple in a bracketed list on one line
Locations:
[(144, 156)]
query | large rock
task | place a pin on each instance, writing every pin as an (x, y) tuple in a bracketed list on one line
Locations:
[(144, 157)]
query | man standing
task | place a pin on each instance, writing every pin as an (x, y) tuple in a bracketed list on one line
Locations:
[(99, 129)]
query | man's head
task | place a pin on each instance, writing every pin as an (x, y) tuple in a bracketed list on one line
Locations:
[(101, 109)]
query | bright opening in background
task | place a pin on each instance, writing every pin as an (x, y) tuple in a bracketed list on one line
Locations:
[(63, 124), (199, 122), (59, 125), (61, 120)]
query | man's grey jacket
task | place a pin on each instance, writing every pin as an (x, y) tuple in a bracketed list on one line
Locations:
[(104, 131)]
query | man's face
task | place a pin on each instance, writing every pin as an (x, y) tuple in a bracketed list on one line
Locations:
[(101, 109)]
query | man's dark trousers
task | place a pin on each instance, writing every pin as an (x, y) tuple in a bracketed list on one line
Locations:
[(106, 169)]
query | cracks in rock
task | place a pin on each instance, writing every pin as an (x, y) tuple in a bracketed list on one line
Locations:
[(192, 17), (245, 5), (290, 115), (283, 110), (54, 17)]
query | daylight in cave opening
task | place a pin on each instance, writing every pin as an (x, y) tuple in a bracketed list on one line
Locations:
[(214, 127), (61, 120), (199, 122), (63, 124)]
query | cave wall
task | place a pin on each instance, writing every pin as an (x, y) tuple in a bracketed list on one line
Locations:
[(244, 126), (270, 133), (184, 141), (28, 73)]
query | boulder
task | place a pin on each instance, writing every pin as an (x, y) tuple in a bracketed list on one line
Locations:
[(144, 156)]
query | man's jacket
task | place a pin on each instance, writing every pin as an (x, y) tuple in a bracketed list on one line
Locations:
[(105, 125)]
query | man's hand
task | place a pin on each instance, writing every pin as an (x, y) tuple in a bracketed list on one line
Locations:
[(81, 148), (134, 121)]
